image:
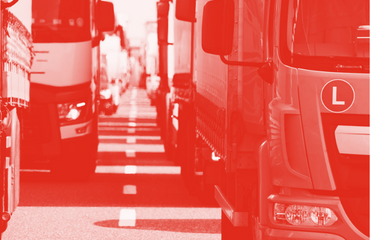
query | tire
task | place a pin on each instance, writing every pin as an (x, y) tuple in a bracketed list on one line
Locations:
[(252, 231), (229, 232), (108, 109), (188, 164)]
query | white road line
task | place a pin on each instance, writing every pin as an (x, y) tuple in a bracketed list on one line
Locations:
[(130, 169), (132, 124), (159, 170), (131, 130), (125, 124), (124, 147), (130, 153), (125, 137), (127, 218), (34, 170), (131, 140), (129, 189)]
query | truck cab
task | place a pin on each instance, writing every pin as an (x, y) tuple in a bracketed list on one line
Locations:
[(296, 104)]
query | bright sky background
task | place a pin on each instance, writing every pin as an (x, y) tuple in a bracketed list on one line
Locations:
[(138, 12)]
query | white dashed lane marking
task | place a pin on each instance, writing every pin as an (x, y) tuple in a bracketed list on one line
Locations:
[(130, 153), (125, 137), (129, 169), (131, 140), (129, 189), (127, 218), (132, 169)]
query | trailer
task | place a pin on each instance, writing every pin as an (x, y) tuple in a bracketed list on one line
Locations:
[(279, 103), (16, 60), (114, 52)]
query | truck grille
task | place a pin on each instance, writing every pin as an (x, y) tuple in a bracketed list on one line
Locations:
[(350, 171)]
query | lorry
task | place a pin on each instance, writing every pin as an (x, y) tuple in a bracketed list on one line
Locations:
[(106, 97), (273, 115), (116, 60), (166, 71), (149, 78), (61, 126), (16, 60)]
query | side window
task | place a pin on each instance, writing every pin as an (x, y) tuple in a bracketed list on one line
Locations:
[(254, 30), (271, 23), (254, 11), (92, 18)]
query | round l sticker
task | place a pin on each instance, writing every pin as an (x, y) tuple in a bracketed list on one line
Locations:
[(337, 96)]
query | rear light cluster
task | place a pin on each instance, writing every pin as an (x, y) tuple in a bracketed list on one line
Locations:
[(302, 215)]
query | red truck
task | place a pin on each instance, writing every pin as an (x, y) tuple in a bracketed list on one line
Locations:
[(274, 114), (61, 127)]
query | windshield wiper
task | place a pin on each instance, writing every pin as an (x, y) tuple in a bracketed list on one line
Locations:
[(351, 68), (332, 63)]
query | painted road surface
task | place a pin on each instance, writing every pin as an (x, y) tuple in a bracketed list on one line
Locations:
[(135, 193)]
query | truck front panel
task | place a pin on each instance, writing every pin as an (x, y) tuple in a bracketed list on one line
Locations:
[(46, 131), (62, 64)]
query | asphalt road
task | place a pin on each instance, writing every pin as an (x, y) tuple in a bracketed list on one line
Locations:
[(134, 194)]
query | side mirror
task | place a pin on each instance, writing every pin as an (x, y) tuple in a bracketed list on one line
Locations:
[(122, 36), (105, 16), (185, 10), (218, 27), (162, 21), (162, 9)]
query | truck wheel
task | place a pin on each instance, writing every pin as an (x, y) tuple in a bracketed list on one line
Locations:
[(170, 149), (229, 232), (109, 109), (254, 230), (188, 163), (167, 143)]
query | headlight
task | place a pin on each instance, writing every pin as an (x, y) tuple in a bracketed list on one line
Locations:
[(105, 93), (71, 111)]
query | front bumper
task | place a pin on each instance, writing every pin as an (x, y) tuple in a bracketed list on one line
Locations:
[(343, 228), (44, 138), (279, 234)]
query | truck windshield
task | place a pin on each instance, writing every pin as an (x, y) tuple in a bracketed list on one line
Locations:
[(60, 21), (328, 34)]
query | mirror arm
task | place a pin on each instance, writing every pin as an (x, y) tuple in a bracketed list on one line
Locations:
[(96, 40), (239, 63), (8, 5), (264, 68)]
